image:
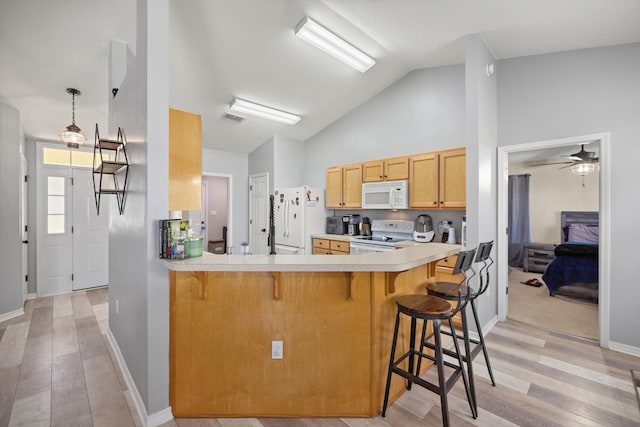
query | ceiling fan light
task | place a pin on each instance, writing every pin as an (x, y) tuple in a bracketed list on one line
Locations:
[(583, 168)]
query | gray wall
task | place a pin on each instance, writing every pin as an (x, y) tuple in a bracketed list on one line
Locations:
[(423, 111), (261, 161), (288, 163), (11, 145), (581, 92), (137, 280), (236, 165), (481, 142)]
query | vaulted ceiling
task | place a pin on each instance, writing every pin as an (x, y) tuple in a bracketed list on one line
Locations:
[(247, 49)]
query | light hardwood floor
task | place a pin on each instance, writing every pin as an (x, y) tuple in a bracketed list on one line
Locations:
[(56, 369)]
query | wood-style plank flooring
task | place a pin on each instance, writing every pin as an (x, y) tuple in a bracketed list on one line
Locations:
[(56, 370)]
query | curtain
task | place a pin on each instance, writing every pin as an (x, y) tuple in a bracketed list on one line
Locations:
[(518, 217)]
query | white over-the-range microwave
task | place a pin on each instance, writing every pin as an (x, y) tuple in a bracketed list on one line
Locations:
[(385, 195)]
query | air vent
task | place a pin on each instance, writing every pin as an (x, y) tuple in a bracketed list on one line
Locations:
[(233, 117)]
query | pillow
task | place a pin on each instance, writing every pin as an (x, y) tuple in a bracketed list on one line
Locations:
[(585, 233)]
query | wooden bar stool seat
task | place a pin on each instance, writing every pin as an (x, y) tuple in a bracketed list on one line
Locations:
[(449, 291), (432, 309)]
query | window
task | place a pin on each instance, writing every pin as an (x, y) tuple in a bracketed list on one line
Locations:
[(75, 158), (55, 204)]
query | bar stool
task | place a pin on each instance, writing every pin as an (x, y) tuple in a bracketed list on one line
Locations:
[(448, 291), (434, 309)]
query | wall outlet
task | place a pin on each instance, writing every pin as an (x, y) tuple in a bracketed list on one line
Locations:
[(117, 307), (276, 349)]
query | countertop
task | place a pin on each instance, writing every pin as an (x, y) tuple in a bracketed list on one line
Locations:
[(399, 260)]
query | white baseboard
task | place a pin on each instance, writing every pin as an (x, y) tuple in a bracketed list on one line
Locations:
[(485, 329), (155, 419), (624, 348), (11, 314), (32, 296), (160, 417)]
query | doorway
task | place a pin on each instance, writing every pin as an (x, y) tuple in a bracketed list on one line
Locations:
[(215, 216), (73, 240), (259, 213), (604, 209)]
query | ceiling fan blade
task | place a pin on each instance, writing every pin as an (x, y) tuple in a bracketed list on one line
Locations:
[(553, 163)]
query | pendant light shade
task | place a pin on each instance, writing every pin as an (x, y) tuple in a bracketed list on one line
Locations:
[(73, 136)]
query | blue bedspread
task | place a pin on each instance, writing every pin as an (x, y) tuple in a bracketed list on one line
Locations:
[(568, 269)]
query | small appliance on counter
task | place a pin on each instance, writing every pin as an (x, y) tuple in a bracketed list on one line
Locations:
[(334, 225), (451, 238), (366, 226), (463, 231), (423, 229), (354, 225), (345, 223)]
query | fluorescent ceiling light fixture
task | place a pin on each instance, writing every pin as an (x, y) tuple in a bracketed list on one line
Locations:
[(315, 34), (240, 106)]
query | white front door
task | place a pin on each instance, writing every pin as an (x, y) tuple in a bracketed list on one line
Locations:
[(259, 213), (90, 234), (54, 250)]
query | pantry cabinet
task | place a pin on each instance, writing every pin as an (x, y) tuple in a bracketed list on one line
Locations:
[(185, 161), (438, 180), (386, 170), (344, 187)]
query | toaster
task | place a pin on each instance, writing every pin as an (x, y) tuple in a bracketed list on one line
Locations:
[(334, 225)]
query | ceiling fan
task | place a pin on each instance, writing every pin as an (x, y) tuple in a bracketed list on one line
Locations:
[(581, 161)]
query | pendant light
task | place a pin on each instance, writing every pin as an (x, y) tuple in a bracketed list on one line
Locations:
[(73, 136)]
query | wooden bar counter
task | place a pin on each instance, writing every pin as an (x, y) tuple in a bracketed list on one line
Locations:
[(333, 313)]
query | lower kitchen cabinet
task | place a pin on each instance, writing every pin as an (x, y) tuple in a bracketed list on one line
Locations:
[(330, 247)]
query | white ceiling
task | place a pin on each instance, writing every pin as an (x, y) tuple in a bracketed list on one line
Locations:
[(247, 49)]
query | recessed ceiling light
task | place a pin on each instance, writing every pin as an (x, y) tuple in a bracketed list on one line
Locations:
[(315, 34), (240, 106)]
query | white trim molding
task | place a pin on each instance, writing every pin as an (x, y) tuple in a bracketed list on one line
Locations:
[(147, 420), (624, 348), (605, 226), (11, 314), (32, 296)]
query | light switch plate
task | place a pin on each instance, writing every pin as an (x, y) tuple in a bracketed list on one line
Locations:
[(276, 350)]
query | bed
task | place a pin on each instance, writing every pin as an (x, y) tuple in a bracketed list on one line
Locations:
[(574, 270)]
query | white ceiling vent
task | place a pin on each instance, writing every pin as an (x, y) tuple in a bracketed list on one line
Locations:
[(233, 117)]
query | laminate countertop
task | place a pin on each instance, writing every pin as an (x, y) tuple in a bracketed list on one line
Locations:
[(399, 260)]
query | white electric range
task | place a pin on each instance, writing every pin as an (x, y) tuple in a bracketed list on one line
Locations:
[(385, 236)]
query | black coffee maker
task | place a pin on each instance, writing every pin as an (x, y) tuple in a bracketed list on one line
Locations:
[(366, 226), (354, 225)]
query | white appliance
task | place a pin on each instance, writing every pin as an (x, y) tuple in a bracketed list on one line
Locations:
[(385, 195), (385, 235), (298, 213)]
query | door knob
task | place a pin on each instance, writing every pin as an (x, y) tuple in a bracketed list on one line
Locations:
[(264, 230), (25, 241)]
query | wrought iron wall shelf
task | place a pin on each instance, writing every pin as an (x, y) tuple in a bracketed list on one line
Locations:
[(110, 168)]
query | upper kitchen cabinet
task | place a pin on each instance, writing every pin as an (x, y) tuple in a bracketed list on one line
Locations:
[(386, 170), (438, 180), (344, 187), (185, 161), (423, 185), (453, 179)]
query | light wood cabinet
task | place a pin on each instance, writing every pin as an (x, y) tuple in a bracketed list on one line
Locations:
[(438, 180), (344, 187), (185, 161), (386, 170), (330, 247)]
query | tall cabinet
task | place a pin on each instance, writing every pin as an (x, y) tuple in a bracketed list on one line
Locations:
[(185, 161)]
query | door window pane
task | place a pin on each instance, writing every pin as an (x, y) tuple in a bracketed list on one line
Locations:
[(55, 204), (54, 156)]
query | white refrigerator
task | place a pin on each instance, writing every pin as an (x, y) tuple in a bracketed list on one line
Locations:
[(298, 213)]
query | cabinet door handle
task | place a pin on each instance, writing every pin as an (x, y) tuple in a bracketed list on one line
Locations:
[(435, 202)]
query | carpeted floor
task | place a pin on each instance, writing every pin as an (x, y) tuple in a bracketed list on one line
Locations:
[(534, 306)]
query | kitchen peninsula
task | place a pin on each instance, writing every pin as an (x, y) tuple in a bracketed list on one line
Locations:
[(332, 314)]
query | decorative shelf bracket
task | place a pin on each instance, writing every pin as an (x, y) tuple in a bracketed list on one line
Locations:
[(110, 163)]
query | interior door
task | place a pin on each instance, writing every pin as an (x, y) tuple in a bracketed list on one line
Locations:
[(90, 234), (259, 214), (54, 231), (23, 227)]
